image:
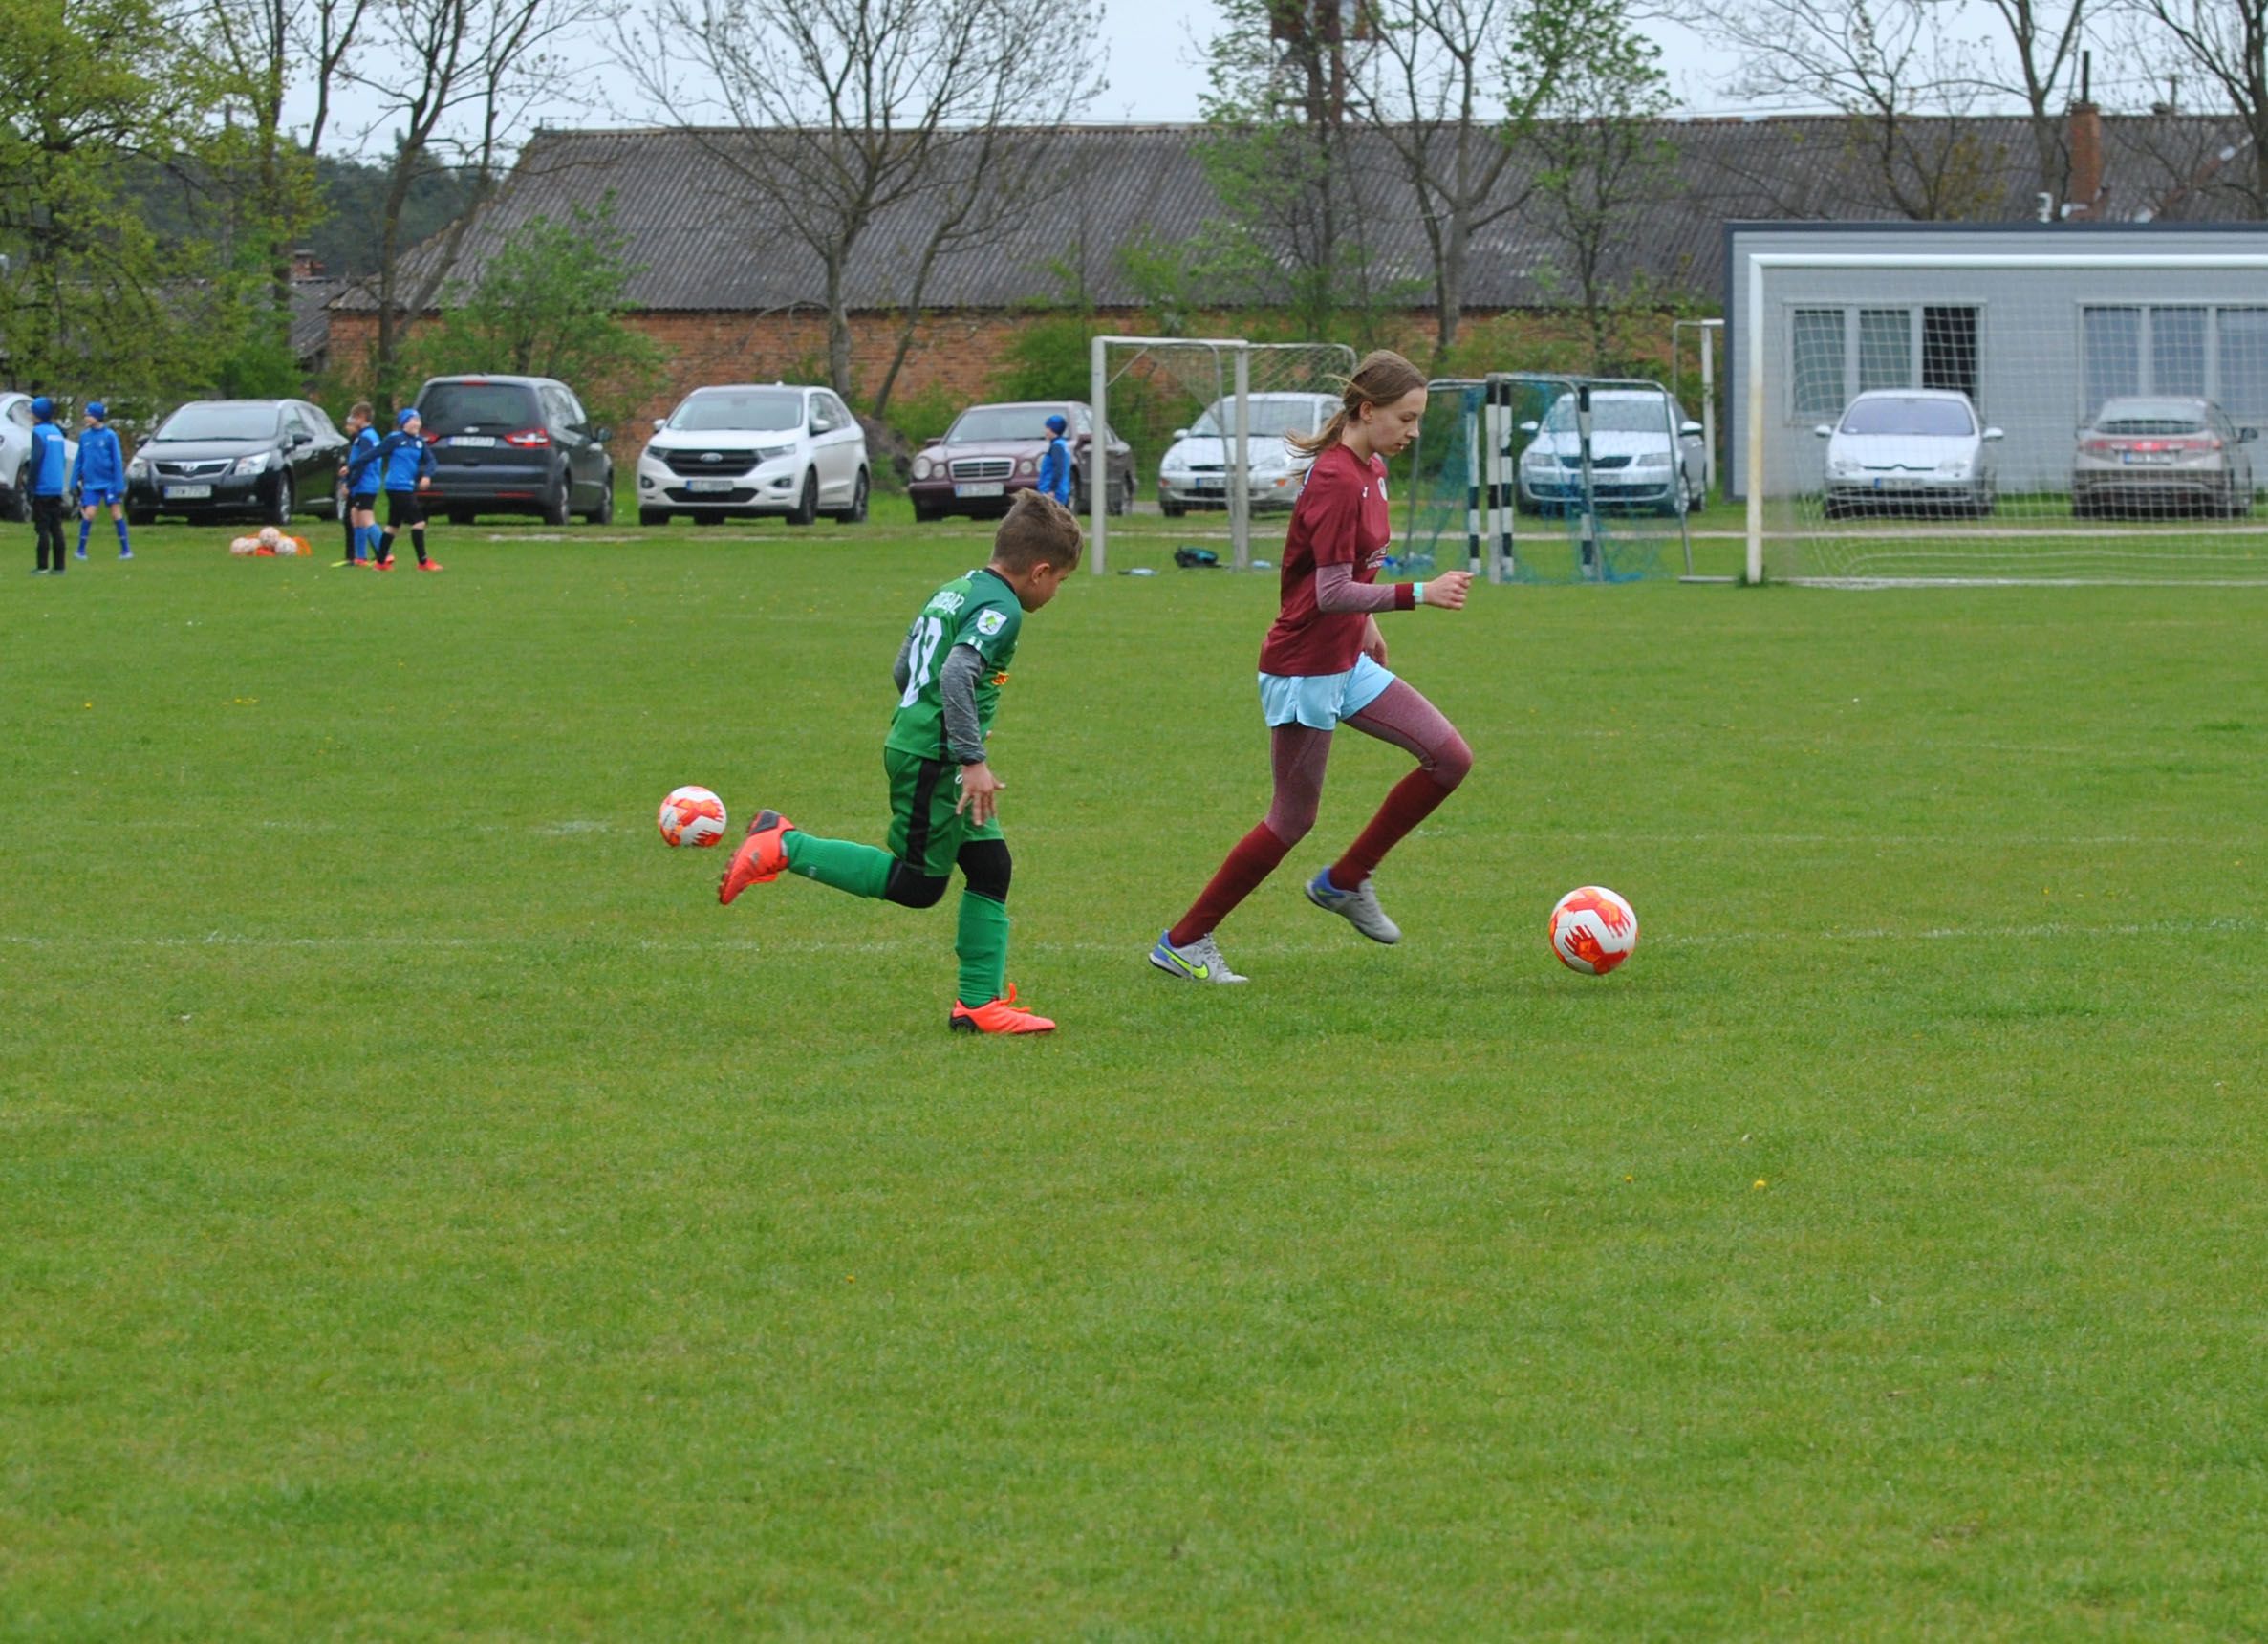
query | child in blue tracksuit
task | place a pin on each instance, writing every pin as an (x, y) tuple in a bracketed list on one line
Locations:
[(361, 472), (1055, 467), (51, 475), (101, 478), (407, 465)]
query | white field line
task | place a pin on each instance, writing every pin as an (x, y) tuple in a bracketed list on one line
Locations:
[(2050, 929)]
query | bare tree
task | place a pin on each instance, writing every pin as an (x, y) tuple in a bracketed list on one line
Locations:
[(1450, 88), (2044, 38), (841, 112), (1891, 67), (454, 90), (2225, 44)]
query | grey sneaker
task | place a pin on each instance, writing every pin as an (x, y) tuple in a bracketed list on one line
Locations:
[(1358, 907), (1199, 962)]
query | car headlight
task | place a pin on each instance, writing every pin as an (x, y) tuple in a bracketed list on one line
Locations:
[(923, 468), (1843, 467), (1025, 465), (254, 464), (1954, 468), (767, 453), (137, 469)]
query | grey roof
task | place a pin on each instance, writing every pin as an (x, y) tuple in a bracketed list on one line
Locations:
[(311, 316), (701, 241)]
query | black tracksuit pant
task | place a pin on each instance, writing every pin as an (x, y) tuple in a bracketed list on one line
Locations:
[(47, 522)]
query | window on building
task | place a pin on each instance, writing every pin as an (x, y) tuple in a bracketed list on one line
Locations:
[(1818, 363), (1949, 350), (1837, 353), (1886, 349), (2192, 352)]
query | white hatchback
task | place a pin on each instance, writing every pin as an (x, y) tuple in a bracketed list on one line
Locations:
[(15, 454), (753, 448), (1909, 449), (1194, 471)]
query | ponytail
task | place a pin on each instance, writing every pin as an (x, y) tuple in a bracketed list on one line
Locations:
[(1381, 378)]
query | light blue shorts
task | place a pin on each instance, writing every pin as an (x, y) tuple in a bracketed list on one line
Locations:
[(1320, 701)]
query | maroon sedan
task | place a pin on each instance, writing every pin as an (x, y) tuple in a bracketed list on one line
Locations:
[(991, 452)]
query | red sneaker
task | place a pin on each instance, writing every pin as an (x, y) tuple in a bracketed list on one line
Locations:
[(430, 565), (383, 565), (1003, 1015), (761, 857)]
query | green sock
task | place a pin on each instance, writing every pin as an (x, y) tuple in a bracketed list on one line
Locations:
[(843, 863), (983, 945)]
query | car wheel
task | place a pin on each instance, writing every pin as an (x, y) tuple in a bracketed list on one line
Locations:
[(604, 513), (19, 500), (653, 516), (2241, 502), (556, 502), (282, 502), (1125, 503), (807, 506), (925, 513), (855, 513), (1171, 508), (460, 516)]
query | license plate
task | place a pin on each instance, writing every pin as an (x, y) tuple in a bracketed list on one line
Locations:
[(708, 484), (2166, 457), (472, 442), (981, 489), (186, 493), (1210, 483)]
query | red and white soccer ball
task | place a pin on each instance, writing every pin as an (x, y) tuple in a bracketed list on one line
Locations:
[(692, 816), (1593, 930)]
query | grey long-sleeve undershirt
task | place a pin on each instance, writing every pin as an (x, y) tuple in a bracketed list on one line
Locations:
[(957, 692)]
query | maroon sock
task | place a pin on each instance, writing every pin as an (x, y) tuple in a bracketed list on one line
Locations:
[(1253, 860), (1412, 800)]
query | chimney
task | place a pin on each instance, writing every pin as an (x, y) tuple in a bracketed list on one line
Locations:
[(306, 265), (2084, 191)]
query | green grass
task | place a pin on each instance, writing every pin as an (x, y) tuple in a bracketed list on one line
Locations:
[(423, 1213)]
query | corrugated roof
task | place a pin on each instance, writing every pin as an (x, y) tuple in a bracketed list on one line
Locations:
[(703, 239)]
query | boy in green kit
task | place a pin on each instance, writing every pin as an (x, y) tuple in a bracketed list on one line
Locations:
[(943, 796)]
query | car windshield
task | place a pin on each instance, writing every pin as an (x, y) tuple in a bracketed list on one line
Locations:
[(753, 410), (2150, 416), (1612, 415), (1267, 417), (448, 406), (1907, 417), (1003, 423), (220, 422)]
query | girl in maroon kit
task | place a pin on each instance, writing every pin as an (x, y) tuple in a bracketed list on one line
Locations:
[(1325, 662)]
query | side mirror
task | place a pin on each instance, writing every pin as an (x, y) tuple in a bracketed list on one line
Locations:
[(660, 424), (1823, 431), (1995, 433), (1691, 429), (1528, 428), (602, 434), (1180, 433), (2246, 436)]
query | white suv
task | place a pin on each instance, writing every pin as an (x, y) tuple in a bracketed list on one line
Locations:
[(15, 454), (751, 448)]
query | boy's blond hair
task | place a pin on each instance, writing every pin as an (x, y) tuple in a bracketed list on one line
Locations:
[(362, 409), (1039, 530)]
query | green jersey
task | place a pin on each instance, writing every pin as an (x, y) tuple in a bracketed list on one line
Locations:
[(979, 610)]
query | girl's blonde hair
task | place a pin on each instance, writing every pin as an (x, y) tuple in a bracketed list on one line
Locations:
[(1381, 378)]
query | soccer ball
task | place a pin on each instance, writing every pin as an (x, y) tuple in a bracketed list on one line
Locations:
[(269, 537), (692, 816), (1593, 930)]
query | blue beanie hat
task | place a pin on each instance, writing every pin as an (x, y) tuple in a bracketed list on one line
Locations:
[(43, 406), (407, 412), (97, 410), (1057, 423)]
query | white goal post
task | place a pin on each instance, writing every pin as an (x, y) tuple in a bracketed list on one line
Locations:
[(2064, 348), (1214, 370)]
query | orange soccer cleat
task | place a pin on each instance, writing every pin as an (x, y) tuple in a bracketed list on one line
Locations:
[(430, 565), (1003, 1015), (761, 857)]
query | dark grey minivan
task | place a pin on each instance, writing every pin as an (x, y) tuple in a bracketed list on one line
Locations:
[(514, 445)]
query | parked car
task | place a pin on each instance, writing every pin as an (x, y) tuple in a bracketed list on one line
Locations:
[(15, 455), (991, 452), (213, 459), (733, 453), (514, 445), (1645, 452), (2138, 457), (1194, 471), (1914, 449)]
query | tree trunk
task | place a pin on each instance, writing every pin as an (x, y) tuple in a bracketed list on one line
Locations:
[(1456, 238), (838, 325)]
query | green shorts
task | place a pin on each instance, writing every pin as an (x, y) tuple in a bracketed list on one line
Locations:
[(924, 832)]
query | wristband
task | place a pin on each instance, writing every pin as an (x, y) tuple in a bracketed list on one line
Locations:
[(1417, 594)]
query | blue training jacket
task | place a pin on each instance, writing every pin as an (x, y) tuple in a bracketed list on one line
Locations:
[(102, 460), (1056, 470), (362, 479), (51, 459), (404, 459)]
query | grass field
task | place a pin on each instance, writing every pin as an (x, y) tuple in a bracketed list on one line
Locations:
[(423, 1213)]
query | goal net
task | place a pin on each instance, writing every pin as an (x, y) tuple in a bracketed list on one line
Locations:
[(2003, 417), (1188, 405), (1542, 478)]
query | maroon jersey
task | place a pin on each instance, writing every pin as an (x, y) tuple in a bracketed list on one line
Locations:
[(1340, 519)]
